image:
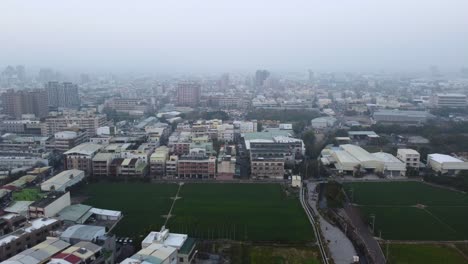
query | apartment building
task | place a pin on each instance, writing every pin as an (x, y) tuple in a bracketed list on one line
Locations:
[(410, 157), (196, 166), (81, 157), (88, 122)]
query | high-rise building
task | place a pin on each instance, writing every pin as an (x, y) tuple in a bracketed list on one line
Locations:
[(188, 94), (17, 103), (260, 77), (63, 94)]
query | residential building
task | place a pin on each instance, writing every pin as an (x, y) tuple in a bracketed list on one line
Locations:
[(88, 122), (101, 164), (17, 103), (196, 166), (32, 234), (38, 254), (184, 245), (80, 253), (65, 140), (81, 157), (188, 94), (158, 162), (410, 157), (30, 127), (171, 166), (63, 95)]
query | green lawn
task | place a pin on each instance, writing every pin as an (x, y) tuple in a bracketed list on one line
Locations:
[(423, 254), (254, 212), (279, 255), (142, 204), (28, 194), (257, 212), (443, 216), (403, 193)]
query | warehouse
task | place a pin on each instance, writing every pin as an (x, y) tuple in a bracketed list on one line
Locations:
[(350, 159), (446, 164), (401, 117), (63, 180)]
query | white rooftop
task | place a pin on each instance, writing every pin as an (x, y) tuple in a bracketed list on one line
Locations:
[(106, 212), (443, 158), (165, 238), (84, 149)]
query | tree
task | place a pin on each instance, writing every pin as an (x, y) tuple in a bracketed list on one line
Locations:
[(309, 140), (298, 127)]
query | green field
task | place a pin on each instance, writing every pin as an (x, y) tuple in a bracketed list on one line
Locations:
[(253, 212), (423, 254), (142, 204), (412, 210)]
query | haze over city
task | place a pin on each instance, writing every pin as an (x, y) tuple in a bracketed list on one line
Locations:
[(221, 36)]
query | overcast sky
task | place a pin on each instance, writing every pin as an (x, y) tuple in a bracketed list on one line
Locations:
[(217, 35)]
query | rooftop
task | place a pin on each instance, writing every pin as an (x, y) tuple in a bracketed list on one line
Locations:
[(443, 158), (84, 149)]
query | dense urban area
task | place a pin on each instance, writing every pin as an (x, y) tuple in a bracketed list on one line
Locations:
[(238, 168)]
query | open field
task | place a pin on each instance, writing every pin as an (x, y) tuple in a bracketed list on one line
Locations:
[(142, 204), (423, 254), (412, 210), (256, 212), (253, 212)]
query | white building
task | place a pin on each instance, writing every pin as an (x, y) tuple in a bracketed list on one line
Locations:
[(446, 164), (410, 157), (296, 181), (452, 100), (350, 158), (63, 180), (323, 122)]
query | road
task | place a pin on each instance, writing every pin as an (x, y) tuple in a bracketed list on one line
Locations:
[(340, 247), (311, 215), (369, 240)]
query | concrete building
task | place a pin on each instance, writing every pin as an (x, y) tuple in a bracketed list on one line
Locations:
[(154, 254), (158, 162), (188, 94), (196, 166), (131, 106), (88, 122), (49, 205), (80, 253), (63, 95), (18, 103), (63, 180), (323, 122), (184, 245), (451, 100), (410, 157), (101, 164), (25, 237), (296, 181), (401, 117), (40, 253), (446, 164), (78, 233), (171, 166), (81, 157), (30, 127), (65, 140)]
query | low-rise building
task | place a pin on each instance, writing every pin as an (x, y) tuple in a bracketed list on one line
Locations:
[(63, 180), (323, 122), (49, 205), (81, 157), (446, 164), (184, 245), (450, 100), (158, 162), (80, 253), (40, 253), (196, 166), (410, 157)]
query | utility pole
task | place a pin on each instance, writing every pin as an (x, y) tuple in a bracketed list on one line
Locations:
[(373, 223)]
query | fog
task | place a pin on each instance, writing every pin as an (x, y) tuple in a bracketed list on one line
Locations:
[(236, 35)]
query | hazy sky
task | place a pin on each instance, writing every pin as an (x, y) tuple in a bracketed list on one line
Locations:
[(217, 35)]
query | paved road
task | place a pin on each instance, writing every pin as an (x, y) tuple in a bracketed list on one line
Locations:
[(366, 235), (341, 248)]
